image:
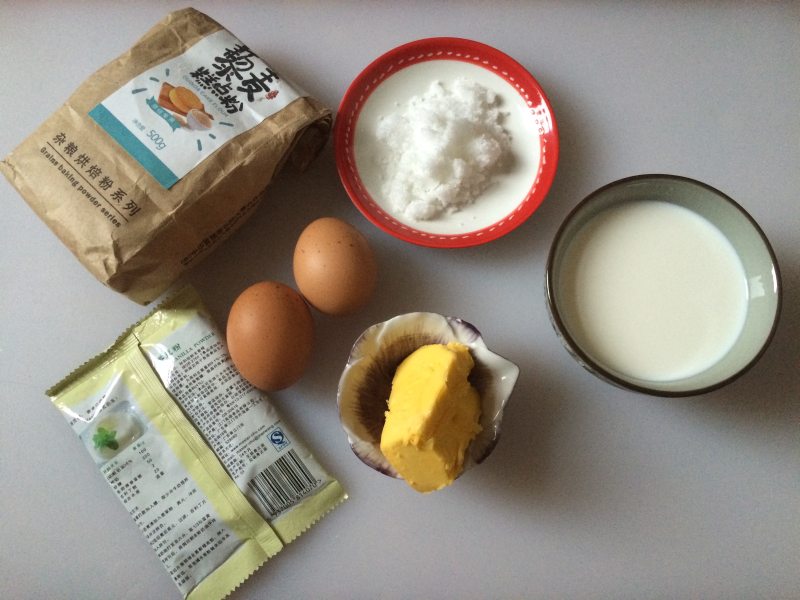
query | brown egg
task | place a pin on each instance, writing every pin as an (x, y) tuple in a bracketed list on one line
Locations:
[(270, 335), (334, 267)]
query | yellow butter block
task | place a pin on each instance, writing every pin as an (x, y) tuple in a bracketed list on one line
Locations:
[(433, 416)]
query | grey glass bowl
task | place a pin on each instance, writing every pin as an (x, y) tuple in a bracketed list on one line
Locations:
[(760, 265)]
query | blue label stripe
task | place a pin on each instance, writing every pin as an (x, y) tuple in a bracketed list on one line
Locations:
[(133, 146), (156, 108)]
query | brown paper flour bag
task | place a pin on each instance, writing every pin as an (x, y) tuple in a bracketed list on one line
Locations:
[(162, 153)]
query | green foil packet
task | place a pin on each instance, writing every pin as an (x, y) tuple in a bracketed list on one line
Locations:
[(207, 535), (175, 429), (271, 465)]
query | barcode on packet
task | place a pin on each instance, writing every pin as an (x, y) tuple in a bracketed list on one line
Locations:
[(283, 483)]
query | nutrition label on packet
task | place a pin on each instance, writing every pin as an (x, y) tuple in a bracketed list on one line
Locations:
[(172, 512), (175, 518)]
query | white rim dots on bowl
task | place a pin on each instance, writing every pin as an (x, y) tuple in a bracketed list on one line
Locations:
[(471, 53)]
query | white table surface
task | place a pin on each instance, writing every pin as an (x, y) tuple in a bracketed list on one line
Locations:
[(593, 492)]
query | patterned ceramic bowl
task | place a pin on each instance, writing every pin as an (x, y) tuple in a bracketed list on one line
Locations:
[(366, 382), (397, 79)]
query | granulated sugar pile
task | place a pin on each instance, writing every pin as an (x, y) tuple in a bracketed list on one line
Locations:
[(443, 147)]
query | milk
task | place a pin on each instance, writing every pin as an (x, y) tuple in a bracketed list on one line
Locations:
[(653, 291)]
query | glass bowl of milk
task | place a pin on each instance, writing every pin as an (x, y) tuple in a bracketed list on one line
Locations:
[(663, 285)]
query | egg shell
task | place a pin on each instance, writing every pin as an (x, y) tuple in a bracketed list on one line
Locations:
[(334, 267), (270, 335)]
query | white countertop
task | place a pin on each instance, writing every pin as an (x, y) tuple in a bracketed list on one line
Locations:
[(593, 492)]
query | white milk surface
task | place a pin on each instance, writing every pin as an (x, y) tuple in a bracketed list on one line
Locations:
[(653, 291)]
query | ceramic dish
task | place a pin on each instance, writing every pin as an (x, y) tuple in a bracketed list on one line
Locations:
[(659, 292), (366, 381), (407, 71)]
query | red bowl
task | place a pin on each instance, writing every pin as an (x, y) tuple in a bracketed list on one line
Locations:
[(535, 133)]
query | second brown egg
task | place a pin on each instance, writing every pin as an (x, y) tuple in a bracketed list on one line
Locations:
[(334, 266)]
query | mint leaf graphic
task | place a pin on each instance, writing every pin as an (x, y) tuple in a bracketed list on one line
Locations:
[(105, 439)]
